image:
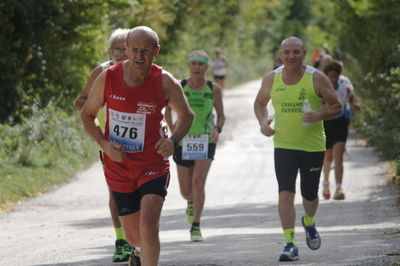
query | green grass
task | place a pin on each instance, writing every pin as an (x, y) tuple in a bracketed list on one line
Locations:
[(40, 153)]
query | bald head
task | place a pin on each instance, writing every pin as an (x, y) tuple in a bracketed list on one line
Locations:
[(143, 32), (292, 41)]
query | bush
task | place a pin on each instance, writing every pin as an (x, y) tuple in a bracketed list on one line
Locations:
[(41, 151)]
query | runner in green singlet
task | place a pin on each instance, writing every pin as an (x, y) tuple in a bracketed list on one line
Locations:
[(116, 51), (299, 138), (195, 153)]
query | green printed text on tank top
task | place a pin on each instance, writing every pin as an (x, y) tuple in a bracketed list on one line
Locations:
[(202, 104), (287, 100)]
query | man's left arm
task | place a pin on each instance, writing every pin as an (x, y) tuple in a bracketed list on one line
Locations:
[(331, 105)]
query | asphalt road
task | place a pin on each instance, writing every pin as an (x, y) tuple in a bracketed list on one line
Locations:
[(240, 224)]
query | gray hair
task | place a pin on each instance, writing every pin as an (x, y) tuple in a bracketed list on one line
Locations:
[(116, 33), (200, 53)]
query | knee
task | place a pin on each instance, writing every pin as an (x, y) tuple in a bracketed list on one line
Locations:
[(286, 196), (185, 193), (310, 196), (149, 231), (198, 184), (133, 238)]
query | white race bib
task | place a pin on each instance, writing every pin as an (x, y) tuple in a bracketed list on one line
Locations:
[(127, 129), (195, 147)]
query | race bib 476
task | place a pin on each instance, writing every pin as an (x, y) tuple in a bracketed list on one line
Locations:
[(127, 129)]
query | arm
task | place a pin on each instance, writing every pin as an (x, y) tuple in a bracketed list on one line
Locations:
[(168, 118), (260, 104), (81, 99), (225, 62), (331, 107), (88, 116), (173, 94), (219, 109)]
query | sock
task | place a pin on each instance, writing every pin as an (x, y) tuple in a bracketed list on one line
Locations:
[(289, 235), (338, 186), (308, 220), (119, 233), (196, 224)]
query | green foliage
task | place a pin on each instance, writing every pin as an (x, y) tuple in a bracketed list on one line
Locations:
[(46, 49), (40, 152)]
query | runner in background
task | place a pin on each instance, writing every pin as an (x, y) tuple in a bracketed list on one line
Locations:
[(195, 153), (220, 66), (116, 52), (336, 130)]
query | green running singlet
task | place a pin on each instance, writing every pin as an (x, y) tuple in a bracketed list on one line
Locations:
[(202, 104), (287, 100)]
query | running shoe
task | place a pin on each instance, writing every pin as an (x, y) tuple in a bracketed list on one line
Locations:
[(312, 236), (339, 195), (134, 258), (290, 253), (325, 191), (122, 251), (195, 234), (189, 213)]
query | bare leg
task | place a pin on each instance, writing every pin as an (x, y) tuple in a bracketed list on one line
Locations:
[(150, 212), (310, 206), (114, 212), (130, 223), (185, 181), (287, 212), (199, 177), (327, 164), (338, 150)]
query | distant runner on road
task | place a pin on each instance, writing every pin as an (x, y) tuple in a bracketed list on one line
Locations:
[(299, 138)]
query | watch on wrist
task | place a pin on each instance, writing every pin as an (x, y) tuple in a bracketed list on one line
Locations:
[(219, 129), (173, 138)]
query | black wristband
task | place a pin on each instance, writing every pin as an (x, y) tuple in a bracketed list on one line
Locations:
[(173, 138), (219, 129)]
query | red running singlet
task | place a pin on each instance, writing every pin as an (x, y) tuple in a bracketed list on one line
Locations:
[(134, 120)]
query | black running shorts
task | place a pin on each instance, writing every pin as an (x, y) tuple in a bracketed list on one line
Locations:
[(336, 130), (128, 203), (287, 165), (189, 163)]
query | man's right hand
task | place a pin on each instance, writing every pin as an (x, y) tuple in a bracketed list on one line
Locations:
[(115, 152), (265, 127)]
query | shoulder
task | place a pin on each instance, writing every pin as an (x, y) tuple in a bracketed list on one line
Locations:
[(96, 71), (168, 80), (106, 64), (214, 86), (269, 77)]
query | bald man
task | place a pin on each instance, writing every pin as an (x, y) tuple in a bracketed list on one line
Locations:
[(135, 143), (299, 138)]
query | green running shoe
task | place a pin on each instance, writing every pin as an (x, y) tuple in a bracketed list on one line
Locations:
[(189, 213), (134, 258), (122, 251), (195, 234)]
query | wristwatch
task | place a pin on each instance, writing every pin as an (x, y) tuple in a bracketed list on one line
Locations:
[(219, 129), (173, 138)]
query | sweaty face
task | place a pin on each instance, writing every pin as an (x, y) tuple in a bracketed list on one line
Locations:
[(117, 49), (141, 50), (333, 77), (197, 67), (292, 54)]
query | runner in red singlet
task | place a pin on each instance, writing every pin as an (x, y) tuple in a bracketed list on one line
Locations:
[(134, 142)]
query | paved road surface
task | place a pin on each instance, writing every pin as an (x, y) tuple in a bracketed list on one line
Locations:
[(71, 226)]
